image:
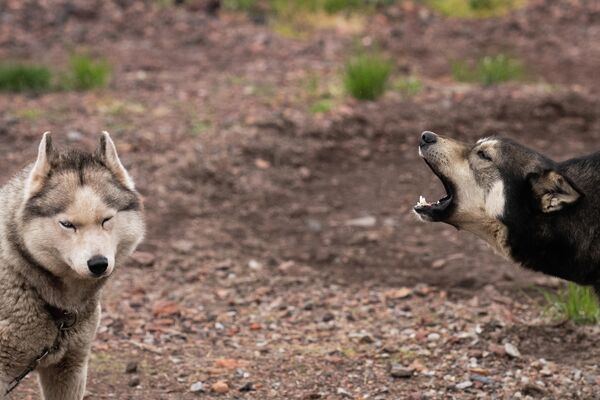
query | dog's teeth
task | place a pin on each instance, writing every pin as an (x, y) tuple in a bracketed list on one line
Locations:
[(422, 201)]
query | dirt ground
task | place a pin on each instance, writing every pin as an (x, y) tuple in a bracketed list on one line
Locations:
[(282, 257)]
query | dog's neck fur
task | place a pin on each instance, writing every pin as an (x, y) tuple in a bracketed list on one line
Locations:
[(565, 244), (67, 293)]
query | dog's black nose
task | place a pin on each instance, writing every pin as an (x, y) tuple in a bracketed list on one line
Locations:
[(98, 265), (428, 137)]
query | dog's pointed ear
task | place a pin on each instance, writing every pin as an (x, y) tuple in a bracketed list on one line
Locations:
[(552, 191), (41, 168), (108, 152)]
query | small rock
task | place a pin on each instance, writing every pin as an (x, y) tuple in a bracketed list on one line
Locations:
[(532, 390), (399, 293), (366, 339), (262, 164), (255, 265), (512, 350), (305, 173), (344, 393), (328, 317), (433, 337), (135, 381), (197, 387), (364, 222), (399, 371), (220, 387), (131, 367), (248, 387), (483, 379), (464, 385)]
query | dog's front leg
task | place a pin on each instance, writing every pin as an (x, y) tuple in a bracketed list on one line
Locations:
[(65, 380), (3, 389)]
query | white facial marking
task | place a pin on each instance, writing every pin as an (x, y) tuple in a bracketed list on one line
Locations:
[(495, 200), (488, 140)]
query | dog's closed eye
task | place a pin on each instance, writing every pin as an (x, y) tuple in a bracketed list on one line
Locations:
[(483, 155), (105, 220)]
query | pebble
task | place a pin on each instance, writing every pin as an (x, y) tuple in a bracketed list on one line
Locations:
[(483, 379), (344, 393), (367, 339), (248, 387), (433, 337), (255, 265), (135, 381), (464, 385), (399, 371), (328, 317), (220, 387), (131, 367), (512, 350), (532, 390), (197, 387), (364, 222)]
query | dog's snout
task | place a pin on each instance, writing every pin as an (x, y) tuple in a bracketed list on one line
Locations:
[(428, 137), (98, 265)]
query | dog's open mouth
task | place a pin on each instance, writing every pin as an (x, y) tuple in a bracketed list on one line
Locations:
[(438, 210)]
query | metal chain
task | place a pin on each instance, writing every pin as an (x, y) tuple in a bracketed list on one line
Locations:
[(63, 326)]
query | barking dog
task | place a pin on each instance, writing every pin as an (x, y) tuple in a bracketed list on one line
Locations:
[(538, 212), (66, 221)]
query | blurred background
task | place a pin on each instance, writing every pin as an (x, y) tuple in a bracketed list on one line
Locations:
[(274, 143)]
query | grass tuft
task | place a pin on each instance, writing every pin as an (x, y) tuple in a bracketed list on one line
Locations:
[(366, 76), (239, 5), (335, 6), (408, 85), (321, 106), (22, 77), (489, 70), (87, 73), (286, 7), (299, 19), (575, 303), (475, 8)]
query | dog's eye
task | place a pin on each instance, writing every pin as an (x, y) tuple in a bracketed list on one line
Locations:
[(105, 220), (483, 155), (67, 225)]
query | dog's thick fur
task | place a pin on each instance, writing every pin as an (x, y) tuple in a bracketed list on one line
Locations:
[(540, 213), (55, 215)]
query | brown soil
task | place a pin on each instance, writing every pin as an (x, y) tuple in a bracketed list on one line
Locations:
[(251, 273)]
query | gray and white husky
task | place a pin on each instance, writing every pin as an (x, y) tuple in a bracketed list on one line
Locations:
[(66, 221)]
